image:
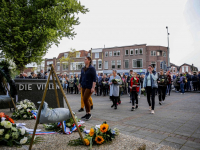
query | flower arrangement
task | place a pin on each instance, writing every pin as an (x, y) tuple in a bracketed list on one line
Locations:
[(143, 91), (58, 128), (115, 81), (10, 135), (24, 109), (97, 136), (5, 117), (104, 83)]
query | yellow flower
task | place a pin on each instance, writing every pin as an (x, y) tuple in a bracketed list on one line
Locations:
[(104, 128), (87, 142), (99, 139), (91, 132)]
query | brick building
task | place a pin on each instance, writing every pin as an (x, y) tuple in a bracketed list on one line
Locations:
[(183, 68), (122, 58)]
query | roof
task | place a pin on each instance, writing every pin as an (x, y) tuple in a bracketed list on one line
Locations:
[(124, 46)]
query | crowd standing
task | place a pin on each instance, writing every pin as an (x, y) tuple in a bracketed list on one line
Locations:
[(114, 85)]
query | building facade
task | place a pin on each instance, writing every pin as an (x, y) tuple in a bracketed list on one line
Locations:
[(122, 58)]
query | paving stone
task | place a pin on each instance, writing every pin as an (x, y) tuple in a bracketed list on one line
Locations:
[(155, 140), (176, 140), (192, 144), (175, 145), (187, 148)]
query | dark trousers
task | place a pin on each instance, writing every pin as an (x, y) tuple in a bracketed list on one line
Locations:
[(168, 89), (71, 89), (76, 89), (134, 98), (86, 95), (177, 88), (151, 96), (161, 93), (188, 87), (68, 89), (114, 100), (105, 91), (195, 85)]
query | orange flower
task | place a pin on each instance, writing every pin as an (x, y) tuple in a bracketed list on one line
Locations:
[(87, 142), (104, 128), (91, 132), (11, 120), (99, 139), (2, 115)]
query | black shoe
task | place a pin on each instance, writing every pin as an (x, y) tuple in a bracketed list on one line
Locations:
[(136, 107), (80, 110), (133, 108), (112, 106), (160, 103), (84, 117), (92, 107), (115, 107), (88, 117)]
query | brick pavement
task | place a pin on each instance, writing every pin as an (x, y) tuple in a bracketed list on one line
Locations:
[(176, 123)]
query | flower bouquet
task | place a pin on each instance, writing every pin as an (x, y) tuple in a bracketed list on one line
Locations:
[(115, 81), (4, 117), (10, 135), (143, 91), (104, 83), (97, 136), (24, 110), (57, 127)]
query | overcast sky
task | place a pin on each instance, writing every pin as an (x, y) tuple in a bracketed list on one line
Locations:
[(127, 22)]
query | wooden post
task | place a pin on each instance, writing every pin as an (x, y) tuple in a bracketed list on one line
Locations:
[(39, 112), (79, 131), (54, 84), (9, 93)]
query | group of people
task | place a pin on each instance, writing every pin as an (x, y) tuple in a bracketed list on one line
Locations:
[(151, 83), (40, 75)]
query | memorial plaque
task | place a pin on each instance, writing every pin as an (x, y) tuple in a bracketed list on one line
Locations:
[(33, 90)]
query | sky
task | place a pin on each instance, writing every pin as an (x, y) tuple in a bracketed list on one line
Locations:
[(128, 22)]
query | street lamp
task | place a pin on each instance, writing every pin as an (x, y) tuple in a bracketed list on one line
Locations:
[(168, 60)]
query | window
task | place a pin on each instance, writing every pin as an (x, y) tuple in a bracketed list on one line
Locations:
[(114, 53), (118, 64), (88, 54), (153, 53), (118, 53), (48, 68), (110, 53), (58, 66), (79, 65), (96, 55), (126, 63), (136, 51), (182, 68), (106, 54), (99, 64), (113, 64), (131, 52), (141, 51), (73, 66), (105, 64), (78, 54), (158, 53), (153, 63), (164, 54), (173, 69), (137, 63), (64, 66), (126, 52), (186, 68), (65, 55), (49, 62), (94, 63)]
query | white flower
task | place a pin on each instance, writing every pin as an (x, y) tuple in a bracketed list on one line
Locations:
[(14, 129), (3, 122), (25, 106), (24, 101), (28, 110), (22, 111), (21, 102), (8, 125), (22, 131), (7, 136), (25, 116), (24, 140), (15, 135), (1, 131), (29, 103), (3, 119)]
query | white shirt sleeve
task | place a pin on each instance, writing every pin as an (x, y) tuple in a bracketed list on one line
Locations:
[(155, 77)]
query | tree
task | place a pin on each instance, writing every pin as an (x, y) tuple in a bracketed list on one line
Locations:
[(70, 58), (28, 28)]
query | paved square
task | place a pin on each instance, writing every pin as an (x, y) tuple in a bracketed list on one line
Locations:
[(176, 123)]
